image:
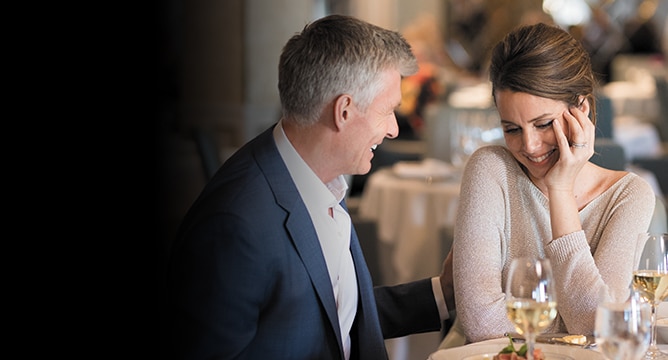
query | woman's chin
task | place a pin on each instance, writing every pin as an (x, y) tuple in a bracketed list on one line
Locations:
[(539, 170)]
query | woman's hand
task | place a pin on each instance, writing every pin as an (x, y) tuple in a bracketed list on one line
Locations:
[(573, 154), (560, 180)]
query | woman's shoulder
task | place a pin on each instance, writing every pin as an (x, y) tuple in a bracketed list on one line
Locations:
[(492, 155), (626, 184), (637, 184), (636, 194), (493, 162)]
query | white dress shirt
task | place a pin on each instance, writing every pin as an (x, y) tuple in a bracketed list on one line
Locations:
[(333, 226)]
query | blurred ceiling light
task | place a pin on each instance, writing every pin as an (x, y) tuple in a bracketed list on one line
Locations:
[(568, 12), (647, 8)]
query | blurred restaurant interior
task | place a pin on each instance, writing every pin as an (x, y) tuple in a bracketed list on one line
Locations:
[(218, 89)]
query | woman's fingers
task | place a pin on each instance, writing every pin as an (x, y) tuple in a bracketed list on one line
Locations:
[(562, 140), (581, 133), (575, 127), (581, 128)]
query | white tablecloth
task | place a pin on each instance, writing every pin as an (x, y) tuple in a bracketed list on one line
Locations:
[(410, 214), (633, 98), (639, 139), (495, 345)]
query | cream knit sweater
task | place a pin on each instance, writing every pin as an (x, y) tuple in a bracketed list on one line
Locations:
[(503, 215)]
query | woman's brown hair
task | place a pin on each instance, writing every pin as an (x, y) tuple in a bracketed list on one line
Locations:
[(546, 61)]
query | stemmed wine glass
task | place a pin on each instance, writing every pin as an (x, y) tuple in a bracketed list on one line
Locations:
[(623, 328), (650, 279), (531, 300)]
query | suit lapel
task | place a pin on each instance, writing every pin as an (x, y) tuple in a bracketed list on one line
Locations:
[(298, 225)]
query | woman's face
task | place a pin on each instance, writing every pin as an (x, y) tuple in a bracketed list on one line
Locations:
[(527, 125)]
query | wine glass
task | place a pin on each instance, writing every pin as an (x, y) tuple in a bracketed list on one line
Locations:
[(531, 300), (650, 279), (623, 328)]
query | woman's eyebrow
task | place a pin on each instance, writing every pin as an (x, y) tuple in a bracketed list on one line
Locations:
[(537, 118)]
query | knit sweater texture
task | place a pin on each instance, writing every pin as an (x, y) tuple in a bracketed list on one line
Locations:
[(503, 215)]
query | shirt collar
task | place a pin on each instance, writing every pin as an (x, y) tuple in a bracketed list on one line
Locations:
[(311, 188)]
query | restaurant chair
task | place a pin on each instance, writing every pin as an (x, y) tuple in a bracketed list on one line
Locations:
[(658, 166), (659, 223), (662, 95), (609, 154), (604, 116)]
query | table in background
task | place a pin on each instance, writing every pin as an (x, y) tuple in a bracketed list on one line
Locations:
[(638, 95), (412, 215)]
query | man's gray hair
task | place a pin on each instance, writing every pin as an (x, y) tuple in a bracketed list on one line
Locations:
[(338, 55)]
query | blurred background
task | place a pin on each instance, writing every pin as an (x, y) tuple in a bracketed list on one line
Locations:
[(218, 68)]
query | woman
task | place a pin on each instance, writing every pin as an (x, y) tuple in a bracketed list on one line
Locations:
[(539, 195)]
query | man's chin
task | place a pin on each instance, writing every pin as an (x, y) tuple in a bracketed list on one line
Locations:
[(363, 171)]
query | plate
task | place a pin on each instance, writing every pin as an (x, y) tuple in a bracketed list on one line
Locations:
[(487, 350), (490, 356)]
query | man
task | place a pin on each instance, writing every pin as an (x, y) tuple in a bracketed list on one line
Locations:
[(266, 263)]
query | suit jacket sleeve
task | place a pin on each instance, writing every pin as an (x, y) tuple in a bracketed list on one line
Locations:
[(407, 309)]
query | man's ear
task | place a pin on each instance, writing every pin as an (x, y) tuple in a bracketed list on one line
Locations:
[(343, 105)]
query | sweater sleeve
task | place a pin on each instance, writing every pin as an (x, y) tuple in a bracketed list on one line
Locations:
[(599, 259), (478, 249)]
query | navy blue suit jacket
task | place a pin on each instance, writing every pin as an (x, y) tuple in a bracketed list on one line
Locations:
[(248, 278)]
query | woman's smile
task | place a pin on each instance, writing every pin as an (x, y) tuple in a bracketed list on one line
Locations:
[(541, 158)]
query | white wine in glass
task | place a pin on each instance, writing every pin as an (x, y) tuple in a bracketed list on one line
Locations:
[(650, 279), (651, 284), (531, 300)]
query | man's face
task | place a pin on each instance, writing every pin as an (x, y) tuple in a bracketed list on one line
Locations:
[(369, 128)]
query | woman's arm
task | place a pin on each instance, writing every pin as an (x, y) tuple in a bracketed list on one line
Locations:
[(478, 247), (581, 276)]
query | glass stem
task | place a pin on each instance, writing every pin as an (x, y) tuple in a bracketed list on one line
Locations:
[(653, 330), (652, 344), (530, 341)]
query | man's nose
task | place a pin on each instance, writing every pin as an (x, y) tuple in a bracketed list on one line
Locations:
[(392, 127)]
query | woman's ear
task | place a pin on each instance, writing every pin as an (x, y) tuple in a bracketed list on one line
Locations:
[(585, 106)]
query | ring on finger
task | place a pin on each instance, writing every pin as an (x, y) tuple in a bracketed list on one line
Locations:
[(579, 146)]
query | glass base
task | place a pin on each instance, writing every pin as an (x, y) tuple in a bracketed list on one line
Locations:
[(653, 353)]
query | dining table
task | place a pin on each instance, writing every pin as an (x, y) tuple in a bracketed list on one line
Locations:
[(414, 205), (555, 351), (488, 348)]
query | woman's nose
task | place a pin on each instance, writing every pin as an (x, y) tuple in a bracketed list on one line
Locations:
[(531, 141)]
